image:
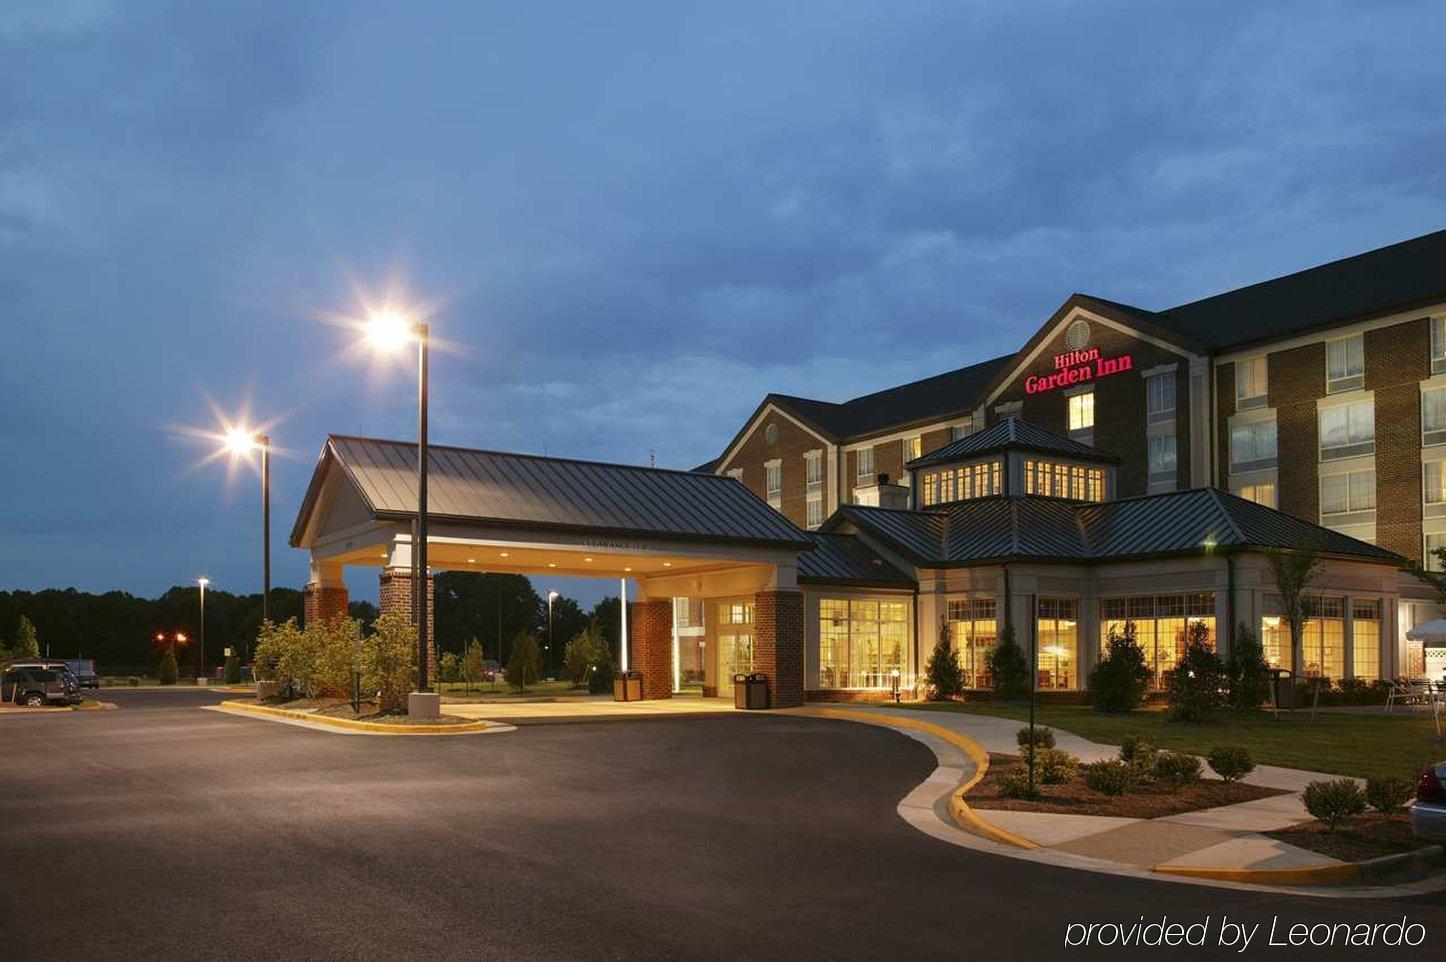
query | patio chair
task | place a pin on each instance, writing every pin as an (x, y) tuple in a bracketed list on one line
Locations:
[(1401, 691)]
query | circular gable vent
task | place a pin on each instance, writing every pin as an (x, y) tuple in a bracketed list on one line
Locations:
[(770, 434), (1077, 335)]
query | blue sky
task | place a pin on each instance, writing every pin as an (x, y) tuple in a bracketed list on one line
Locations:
[(630, 221)]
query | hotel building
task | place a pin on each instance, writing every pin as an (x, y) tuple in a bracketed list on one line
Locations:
[(1060, 487)]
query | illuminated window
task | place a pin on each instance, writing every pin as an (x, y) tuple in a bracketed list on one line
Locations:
[(1366, 639), (1054, 479), (1323, 640), (1434, 543), (1250, 383), (1082, 411), (734, 632), (1345, 364), (1161, 623), (864, 459), (861, 643), (979, 480), (912, 447), (1348, 430), (973, 630), (1262, 492), (1275, 636), (1057, 634)]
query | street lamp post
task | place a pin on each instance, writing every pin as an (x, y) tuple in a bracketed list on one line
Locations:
[(201, 642), (241, 442), (551, 597), (390, 331)]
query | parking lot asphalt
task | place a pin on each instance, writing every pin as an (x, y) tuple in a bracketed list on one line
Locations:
[(165, 831)]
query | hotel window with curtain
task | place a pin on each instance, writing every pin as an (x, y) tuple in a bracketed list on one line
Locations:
[(1438, 344), (1160, 399), (1344, 495), (1162, 626), (813, 488), (1345, 364), (1057, 633), (1056, 479), (1161, 454), (773, 474), (1253, 443), (1250, 383), (912, 447), (1348, 430), (1433, 416), (973, 630), (861, 642), (1366, 639), (864, 461), (1261, 492)]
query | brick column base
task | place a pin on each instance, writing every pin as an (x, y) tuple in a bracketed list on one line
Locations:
[(650, 630), (322, 602), (778, 644), (396, 595)]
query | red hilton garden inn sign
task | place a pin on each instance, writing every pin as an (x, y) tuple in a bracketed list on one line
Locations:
[(1076, 367)]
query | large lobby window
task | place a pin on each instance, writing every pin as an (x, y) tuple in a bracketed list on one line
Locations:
[(1345, 364), (1057, 632), (1348, 430), (1366, 639), (1055, 479), (1323, 640), (861, 643), (980, 480), (1250, 383), (973, 630), (1275, 636), (1162, 624), (734, 631)]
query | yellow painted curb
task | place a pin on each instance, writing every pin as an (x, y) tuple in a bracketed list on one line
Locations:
[(959, 810), (375, 728), (1346, 873)]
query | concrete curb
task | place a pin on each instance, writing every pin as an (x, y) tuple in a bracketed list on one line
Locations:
[(371, 728), (1346, 873)]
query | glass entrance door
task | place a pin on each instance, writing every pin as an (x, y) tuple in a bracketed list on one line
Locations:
[(734, 633)]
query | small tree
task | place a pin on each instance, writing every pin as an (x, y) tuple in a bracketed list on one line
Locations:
[(27, 644), (1119, 682), (389, 665), (334, 643), (1197, 684), (451, 667), (1334, 802), (601, 678), (168, 673), (1009, 667), (1247, 672), (525, 663), (944, 674), (231, 673), (474, 663), (273, 649), (1294, 571)]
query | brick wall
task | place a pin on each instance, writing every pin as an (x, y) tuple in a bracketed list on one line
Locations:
[(1397, 360), (793, 442), (1224, 408), (650, 638), (323, 602), (1295, 381), (778, 644), (395, 594)]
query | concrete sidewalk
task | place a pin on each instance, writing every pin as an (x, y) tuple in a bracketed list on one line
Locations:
[(592, 709), (1222, 844)]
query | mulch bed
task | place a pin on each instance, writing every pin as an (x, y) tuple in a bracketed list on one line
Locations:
[(1369, 836), (336, 708), (1075, 798)]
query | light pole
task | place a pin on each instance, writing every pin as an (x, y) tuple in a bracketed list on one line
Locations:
[(551, 597), (388, 331), (240, 443), (201, 643)]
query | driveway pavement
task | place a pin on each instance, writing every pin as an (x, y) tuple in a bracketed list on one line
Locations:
[(164, 831)]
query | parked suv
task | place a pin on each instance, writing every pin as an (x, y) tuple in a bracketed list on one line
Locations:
[(36, 687)]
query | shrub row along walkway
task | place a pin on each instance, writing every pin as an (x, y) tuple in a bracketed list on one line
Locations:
[(1223, 844)]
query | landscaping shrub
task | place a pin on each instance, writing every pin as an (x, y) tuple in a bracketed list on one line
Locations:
[(1119, 682), (1109, 777), (231, 672), (1197, 683), (133, 680), (1139, 751), (601, 679), (451, 667), (272, 643), (1176, 769), (473, 663), (388, 661), (168, 672), (1009, 667), (1043, 737), (335, 647), (584, 653), (1389, 795), (1230, 762), (1054, 766), (1247, 672), (1015, 784), (943, 672), (525, 662), (1335, 801)]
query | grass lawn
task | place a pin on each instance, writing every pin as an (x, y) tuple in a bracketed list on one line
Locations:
[(1359, 745), (487, 691)]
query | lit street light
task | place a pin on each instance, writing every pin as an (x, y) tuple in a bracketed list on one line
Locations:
[(390, 331), (551, 597), (241, 442)]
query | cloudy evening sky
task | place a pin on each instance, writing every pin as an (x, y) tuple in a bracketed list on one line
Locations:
[(629, 220)]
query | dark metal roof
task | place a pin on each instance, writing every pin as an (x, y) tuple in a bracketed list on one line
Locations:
[(843, 558), (1412, 272), (1012, 434), (990, 530), (521, 490)]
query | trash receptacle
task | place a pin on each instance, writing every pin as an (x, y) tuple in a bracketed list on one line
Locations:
[(740, 691), (757, 691), (628, 686), (1284, 691)]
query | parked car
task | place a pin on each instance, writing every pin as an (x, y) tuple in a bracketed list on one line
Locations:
[(1428, 815), (49, 664), (491, 669), (37, 687), (84, 671)]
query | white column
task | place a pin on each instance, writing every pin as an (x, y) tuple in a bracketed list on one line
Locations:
[(623, 612)]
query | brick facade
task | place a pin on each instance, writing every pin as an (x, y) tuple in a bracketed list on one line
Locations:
[(650, 645), (1224, 407), (1397, 360), (1295, 381), (792, 444), (321, 602), (395, 594), (778, 644)]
